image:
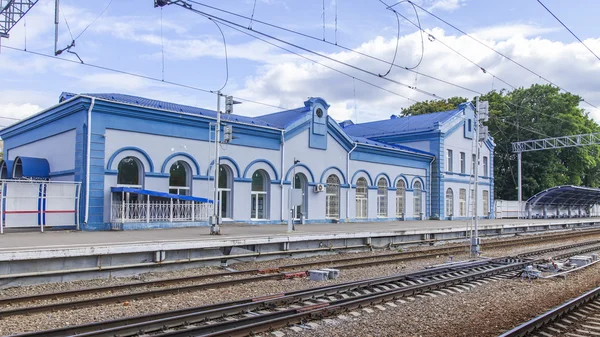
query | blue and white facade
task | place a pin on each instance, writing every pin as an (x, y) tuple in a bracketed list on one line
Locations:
[(450, 136), (109, 141)]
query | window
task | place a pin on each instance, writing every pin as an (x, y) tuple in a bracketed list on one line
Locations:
[(382, 192), (463, 163), (449, 202), (332, 197), (485, 167), (474, 168), (225, 191), (470, 126), (259, 197), (417, 199), (486, 202), (361, 198), (462, 200), (130, 172), (179, 178), (449, 160), (400, 197)]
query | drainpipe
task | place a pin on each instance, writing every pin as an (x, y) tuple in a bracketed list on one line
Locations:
[(348, 182), (429, 187), (87, 162), (281, 174)]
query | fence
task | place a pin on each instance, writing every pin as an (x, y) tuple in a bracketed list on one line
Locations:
[(151, 206), (31, 203)]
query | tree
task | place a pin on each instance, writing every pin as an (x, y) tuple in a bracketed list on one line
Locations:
[(539, 111)]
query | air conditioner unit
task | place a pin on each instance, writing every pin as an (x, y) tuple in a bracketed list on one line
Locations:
[(319, 187)]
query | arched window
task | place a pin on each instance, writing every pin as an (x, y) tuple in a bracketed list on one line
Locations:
[(130, 173), (225, 191), (486, 203), (260, 195), (462, 201), (362, 198), (449, 202), (400, 197), (332, 197), (382, 192), (417, 198), (180, 179)]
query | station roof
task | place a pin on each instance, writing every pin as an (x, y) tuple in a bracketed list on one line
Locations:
[(567, 195)]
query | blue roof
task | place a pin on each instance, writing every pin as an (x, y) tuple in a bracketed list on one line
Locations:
[(283, 119), (31, 168), (159, 194), (174, 107), (362, 140), (400, 125)]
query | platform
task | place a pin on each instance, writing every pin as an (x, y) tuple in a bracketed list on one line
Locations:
[(23, 254)]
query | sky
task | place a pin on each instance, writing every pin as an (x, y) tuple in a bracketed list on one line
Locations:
[(177, 45)]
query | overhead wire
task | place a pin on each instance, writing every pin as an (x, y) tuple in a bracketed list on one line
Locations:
[(226, 58), (150, 78), (95, 19), (567, 28), (418, 26), (397, 44), (223, 21), (315, 61), (252, 16), (495, 51), (295, 32)]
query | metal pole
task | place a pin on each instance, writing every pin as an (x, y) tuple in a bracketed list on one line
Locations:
[(293, 186), (56, 21), (475, 249), (520, 184), (214, 228)]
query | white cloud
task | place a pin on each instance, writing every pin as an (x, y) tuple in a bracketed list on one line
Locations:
[(289, 83), (446, 5), (507, 31)]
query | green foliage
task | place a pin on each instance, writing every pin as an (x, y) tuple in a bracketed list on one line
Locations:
[(537, 112)]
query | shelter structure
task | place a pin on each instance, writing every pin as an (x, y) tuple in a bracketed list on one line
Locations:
[(145, 163), (566, 201)]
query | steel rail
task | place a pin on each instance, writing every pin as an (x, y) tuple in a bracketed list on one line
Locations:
[(196, 287), (163, 282), (553, 315), (132, 325), (152, 322)]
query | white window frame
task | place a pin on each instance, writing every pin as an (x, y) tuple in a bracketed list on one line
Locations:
[(417, 199), (463, 162), (332, 197), (382, 198), (462, 201), (400, 198), (485, 166), (449, 164), (449, 202), (362, 199), (486, 202)]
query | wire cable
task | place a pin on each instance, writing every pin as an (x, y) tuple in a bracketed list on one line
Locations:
[(93, 21), (226, 58), (223, 21), (315, 61), (336, 45), (567, 28), (418, 26), (495, 51), (252, 16), (397, 44), (139, 76)]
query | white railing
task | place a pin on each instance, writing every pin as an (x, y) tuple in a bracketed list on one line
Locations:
[(160, 211)]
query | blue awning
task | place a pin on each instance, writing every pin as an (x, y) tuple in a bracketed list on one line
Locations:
[(159, 194), (565, 196), (6, 167), (30, 167)]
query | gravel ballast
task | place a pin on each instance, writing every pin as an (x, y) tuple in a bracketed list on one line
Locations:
[(43, 321)]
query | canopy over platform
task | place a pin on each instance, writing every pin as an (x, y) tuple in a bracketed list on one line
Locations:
[(566, 196), (159, 194)]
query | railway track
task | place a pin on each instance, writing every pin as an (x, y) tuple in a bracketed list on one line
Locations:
[(282, 272), (579, 317), (254, 315)]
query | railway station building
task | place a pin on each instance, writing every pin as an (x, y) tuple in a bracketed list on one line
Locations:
[(119, 161)]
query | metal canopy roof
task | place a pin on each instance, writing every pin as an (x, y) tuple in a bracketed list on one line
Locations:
[(566, 196)]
